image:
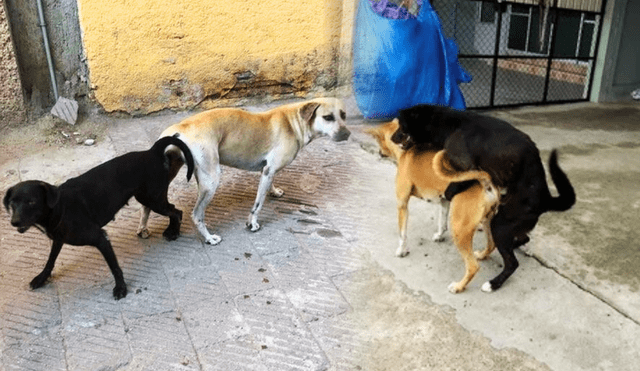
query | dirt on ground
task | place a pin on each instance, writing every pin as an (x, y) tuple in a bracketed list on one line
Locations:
[(20, 139)]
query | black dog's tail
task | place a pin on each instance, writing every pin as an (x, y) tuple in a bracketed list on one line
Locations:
[(566, 195), (161, 144)]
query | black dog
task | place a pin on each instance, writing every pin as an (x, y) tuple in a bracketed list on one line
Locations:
[(76, 211), (478, 142)]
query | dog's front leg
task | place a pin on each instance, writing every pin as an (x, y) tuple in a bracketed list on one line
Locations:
[(104, 246), (403, 216), (266, 181), (40, 279)]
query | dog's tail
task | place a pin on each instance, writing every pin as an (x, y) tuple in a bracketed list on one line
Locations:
[(161, 144), (566, 194), (460, 181), (442, 169)]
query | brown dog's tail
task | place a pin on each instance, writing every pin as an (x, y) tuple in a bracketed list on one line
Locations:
[(442, 169), (161, 144)]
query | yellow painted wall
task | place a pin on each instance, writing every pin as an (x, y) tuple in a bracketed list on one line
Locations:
[(145, 56)]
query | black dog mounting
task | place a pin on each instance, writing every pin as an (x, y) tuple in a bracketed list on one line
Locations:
[(479, 142)]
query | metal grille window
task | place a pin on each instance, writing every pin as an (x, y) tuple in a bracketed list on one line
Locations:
[(519, 52), (587, 31), (524, 29)]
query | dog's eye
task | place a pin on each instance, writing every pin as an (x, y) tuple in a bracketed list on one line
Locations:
[(329, 117), (32, 203), (343, 115)]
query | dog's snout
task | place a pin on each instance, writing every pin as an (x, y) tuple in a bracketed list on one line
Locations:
[(16, 221), (19, 224), (342, 134)]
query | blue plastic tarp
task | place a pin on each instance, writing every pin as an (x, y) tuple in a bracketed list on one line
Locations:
[(398, 63)]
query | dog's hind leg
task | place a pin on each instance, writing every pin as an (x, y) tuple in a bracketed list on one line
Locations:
[(443, 217), (207, 185), (275, 191), (502, 233), (40, 279), (266, 183), (175, 218), (162, 206), (464, 242), (481, 255), (143, 231), (175, 163), (104, 246), (463, 226)]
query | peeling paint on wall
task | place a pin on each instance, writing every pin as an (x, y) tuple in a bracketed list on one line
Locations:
[(148, 56)]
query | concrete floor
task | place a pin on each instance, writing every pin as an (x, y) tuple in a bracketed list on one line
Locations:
[(318, 288)]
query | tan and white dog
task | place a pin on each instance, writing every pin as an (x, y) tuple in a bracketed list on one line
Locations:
[(264, 141)]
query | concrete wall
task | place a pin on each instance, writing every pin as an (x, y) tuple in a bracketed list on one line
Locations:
[(11, 98), (617, 71), (148, 56), (628, 63), (61, 18)]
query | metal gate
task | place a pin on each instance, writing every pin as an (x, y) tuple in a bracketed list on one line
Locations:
[(524, 52)]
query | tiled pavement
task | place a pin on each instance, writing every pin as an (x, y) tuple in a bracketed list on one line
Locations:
[(273, 300), (317, 288)]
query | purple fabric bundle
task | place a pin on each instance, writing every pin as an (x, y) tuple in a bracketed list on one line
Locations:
[(389, 9)]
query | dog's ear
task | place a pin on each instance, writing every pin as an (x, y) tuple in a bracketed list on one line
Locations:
[(52, 194), (371, 131), (308, 111), (7, 197), (375, 132)]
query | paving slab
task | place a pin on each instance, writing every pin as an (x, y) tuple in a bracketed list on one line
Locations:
[(318, 287)]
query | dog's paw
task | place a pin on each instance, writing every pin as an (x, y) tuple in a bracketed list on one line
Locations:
[(171, 235), (487, 287), (438, 237), (253, 227), (39, 281), (143, 233), (276, 192), (455, 288), (120, 291), (401, 253), (213, 239), (480, 255)]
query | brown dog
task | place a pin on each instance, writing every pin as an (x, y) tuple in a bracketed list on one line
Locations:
[(425, 174)]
